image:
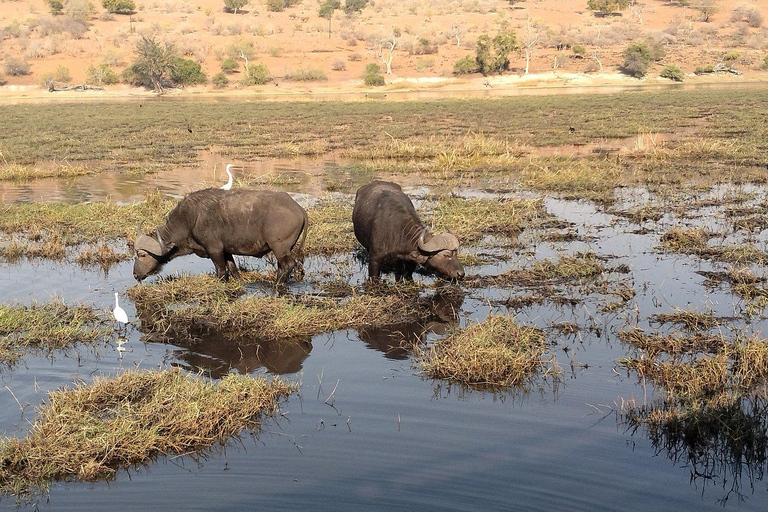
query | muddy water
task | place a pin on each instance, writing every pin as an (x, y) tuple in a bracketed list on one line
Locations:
[(367, 433)]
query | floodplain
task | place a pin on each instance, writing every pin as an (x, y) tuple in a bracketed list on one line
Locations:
[(605, 347)]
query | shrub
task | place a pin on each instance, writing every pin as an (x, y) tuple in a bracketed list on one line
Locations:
[(579, 51), (187, 72), (731, 56), (235, 5), (372, 69), (60, 74), (423, 47), (351, 6), (81, 10), (465, 66), (374, 80), (56, 6), (229, 65), (306, 75), (637, 57), (605, 6), (119, 6), (355, 57), (338, 65), (3, 81), (154, 65), (700, 70), (100, 75), (279, 5), (257, 74), (765, 62), (672, 72), (15, 66), (220, 80), (492, 55)]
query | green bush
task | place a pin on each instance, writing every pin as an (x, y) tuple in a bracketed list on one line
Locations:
[(765, 62), (187, 72), (229, 65), (220, 80), (234, 5), (257, 74), (579, 50), (731, 56), (374, 80), (306, 75), (700, 70), (100, 75), (56, 6), (372, 69), (637, 57), (492, 55), (279, 5), (607, 5), (673, 72), (465, 66), (351, 6), (60, 74), (119, 6)]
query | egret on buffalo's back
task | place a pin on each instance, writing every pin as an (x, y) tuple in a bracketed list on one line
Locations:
[(228, 184)]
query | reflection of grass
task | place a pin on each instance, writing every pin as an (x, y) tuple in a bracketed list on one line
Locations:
[(495, 352), (91, 431), (24, 173), (51, 326)]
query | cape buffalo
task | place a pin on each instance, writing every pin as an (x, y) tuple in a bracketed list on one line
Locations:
[(387, 225), (216, 224)]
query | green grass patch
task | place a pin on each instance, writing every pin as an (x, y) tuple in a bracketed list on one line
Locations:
[(695, 242), (91, 431), (27, 173), (47, 327)]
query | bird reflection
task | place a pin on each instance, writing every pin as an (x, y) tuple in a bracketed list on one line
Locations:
[(397, 341)]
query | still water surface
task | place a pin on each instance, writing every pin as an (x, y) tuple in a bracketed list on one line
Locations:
[(389, 440)]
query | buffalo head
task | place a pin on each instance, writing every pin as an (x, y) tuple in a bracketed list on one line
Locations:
[(151, 253), (441, 254)]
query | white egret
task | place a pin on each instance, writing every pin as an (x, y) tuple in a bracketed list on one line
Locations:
[(228, 184), (119, 313)]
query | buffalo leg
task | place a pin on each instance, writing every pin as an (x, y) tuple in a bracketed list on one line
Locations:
[(220, 262), (285, 261), (231, 265), (374, 269)]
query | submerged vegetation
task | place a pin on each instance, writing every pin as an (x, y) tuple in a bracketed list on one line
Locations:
[(93, 430)]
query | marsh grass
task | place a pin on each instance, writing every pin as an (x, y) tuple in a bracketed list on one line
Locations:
[(192, 302), (472, 219), (496, 352), (690, 320), (27, 173), (104, 256), (330, 227), (85, 223), (695, 242), (93, 430), (47, 327), (655, 344), (580, 267), (578, 178)]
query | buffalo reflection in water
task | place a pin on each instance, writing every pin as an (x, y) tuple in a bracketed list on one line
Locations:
[(396, 341)]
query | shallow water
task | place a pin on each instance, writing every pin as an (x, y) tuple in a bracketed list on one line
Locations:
[(366, 432)]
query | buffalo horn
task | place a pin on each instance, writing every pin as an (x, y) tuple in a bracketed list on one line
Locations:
[(160, 241), (441, 242), (148, 244)]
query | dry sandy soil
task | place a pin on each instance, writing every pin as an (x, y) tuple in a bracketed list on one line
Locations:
[(298, 38)]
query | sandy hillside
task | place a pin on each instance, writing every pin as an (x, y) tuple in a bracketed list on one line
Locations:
[(431, 35)]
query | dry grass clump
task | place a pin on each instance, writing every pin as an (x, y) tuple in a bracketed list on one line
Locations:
[(471, 219), (436, 147), (51, 326), (654, 344), (25, 173), (494, 353), (91, 431), (74, 224), (574, 178), (691, 320), (696, 242), (330, 228), (190, 302)]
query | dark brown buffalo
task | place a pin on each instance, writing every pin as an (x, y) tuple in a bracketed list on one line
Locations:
[(387, 225), (217, 224)]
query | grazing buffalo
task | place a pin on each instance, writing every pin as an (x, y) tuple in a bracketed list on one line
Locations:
[(217, 224), (387, 225)]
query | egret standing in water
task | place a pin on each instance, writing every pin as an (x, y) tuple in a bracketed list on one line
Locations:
[(121, 317), (228, 184)]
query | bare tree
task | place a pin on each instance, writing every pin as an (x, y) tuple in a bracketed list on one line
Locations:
[(456, 31), (530, 39), (386, 50), (597, 47), (637, 9)]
